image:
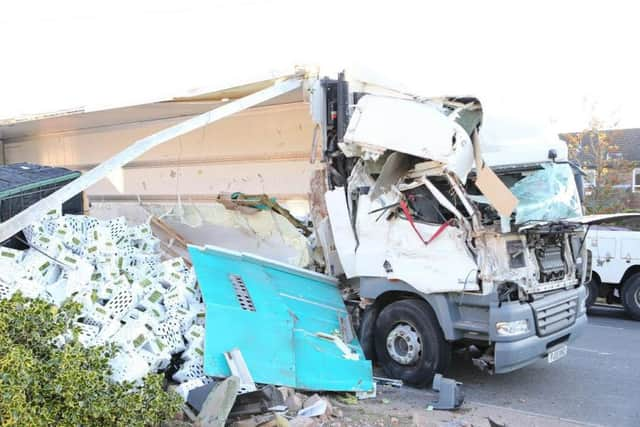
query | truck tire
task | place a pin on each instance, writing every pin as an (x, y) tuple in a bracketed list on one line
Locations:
[(367, 331), (592, 287), (631, 296), (409, 342)]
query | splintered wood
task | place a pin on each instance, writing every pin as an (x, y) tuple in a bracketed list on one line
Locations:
[(172, 244)]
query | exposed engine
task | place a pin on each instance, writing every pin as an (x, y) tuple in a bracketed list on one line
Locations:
[(549, 251), (552, 245)]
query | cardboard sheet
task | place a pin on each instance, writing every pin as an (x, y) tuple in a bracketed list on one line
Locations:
[(496, 192)]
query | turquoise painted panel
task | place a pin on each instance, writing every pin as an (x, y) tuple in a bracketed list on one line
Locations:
[(276, 325)]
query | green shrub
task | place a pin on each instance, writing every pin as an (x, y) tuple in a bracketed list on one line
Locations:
[(42, 384)]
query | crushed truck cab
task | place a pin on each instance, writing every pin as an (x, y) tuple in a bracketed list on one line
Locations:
[(446, 237)]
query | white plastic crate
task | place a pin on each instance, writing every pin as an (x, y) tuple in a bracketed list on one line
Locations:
[(129, 366), (47, 244), (78, 271), (118, 229), (57, 292), (99, 316), (86, 333), (156, 361), (6, 290), (129, 297), (9, 256), (190, 369), (107, 330), (140, 232), (176, 298), (194, 351), (195, 333), (29, 288), (184, 316), (120, 304), (133, 335), (170, 335)]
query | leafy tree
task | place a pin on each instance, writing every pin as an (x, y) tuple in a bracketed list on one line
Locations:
[(595, 149), (43, 384)]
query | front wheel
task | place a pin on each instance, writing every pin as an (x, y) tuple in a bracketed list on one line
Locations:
[(409, 342), (631, 296)]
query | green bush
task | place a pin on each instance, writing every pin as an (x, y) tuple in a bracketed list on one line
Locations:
[(42, 384)]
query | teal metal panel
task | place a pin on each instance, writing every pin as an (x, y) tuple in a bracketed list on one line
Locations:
[(275, 322)]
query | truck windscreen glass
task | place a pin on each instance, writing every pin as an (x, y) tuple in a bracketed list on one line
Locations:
[(548, 194)]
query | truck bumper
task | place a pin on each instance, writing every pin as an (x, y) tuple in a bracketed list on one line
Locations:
[(509, 356)]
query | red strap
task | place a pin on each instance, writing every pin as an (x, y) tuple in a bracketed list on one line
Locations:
[(440, 230), (407, 213)]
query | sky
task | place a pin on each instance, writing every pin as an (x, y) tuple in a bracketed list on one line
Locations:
[(558, 63)]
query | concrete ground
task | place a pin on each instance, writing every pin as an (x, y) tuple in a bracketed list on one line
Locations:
[(597, 383)]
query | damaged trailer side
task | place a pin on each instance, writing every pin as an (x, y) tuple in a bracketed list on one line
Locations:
[(38, 210)]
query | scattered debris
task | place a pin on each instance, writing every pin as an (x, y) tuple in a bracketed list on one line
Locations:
[(238, 367), (388, 381), (293, 403), (262, 202), (258, 402), (219, 403), (361, 395), (196, 396), (314, 406), (450, 396), (493, 423)]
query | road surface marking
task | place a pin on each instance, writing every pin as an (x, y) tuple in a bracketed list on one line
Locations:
[(588, 350)]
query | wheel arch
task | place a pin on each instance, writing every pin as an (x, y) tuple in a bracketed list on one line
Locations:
[(595, 277), (385, 292), (628, 273)]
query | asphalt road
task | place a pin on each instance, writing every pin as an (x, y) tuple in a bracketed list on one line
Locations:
[(597, 383)]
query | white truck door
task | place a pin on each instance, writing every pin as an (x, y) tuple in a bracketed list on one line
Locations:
[(630, 242), (606, 259), (614, 241)]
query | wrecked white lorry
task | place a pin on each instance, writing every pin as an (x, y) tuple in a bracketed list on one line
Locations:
[(445, 236), (428, 244)]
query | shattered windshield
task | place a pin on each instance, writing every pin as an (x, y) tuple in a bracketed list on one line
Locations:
[(547, 194)]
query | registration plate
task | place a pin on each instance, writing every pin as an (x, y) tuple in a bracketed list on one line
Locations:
[(557, 354)]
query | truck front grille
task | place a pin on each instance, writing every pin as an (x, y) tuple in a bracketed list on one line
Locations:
[(555, 316)]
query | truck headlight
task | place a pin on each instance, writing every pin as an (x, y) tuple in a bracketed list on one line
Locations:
[(516, 327)]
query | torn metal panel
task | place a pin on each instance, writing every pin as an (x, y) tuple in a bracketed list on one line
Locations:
[(596, 219), (39, 209), (345, 243), (282, 338), (395, 167), (420, 129), (445, 265)]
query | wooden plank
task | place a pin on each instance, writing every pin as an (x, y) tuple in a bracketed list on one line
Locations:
[(171, 242)]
